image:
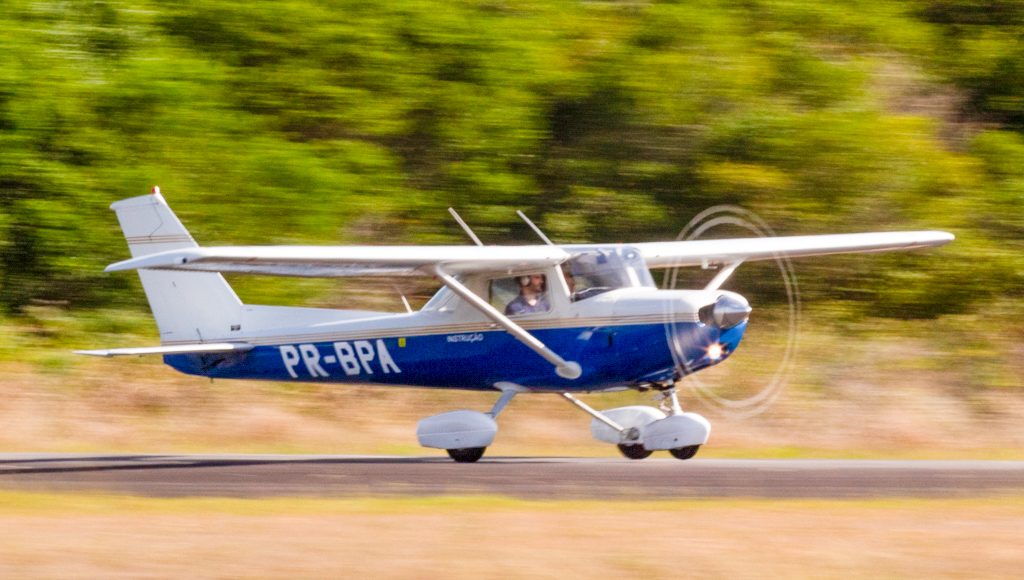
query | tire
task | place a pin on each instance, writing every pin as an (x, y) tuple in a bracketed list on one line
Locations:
[(684, 452), (466, 455), (635, 451)]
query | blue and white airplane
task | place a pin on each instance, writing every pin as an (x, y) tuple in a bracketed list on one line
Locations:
[(549, 318)]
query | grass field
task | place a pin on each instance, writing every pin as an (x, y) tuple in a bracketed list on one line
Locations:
[(946, 388), (139, 406), (84, 536)]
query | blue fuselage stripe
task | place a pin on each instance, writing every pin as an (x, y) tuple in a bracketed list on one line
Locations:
[(610, 357)]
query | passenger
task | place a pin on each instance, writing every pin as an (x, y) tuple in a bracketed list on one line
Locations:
[(531, 296), (570, 280)]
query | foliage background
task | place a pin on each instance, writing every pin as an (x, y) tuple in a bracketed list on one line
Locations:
[(360, 122)]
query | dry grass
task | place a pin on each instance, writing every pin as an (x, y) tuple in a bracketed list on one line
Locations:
[(80, 537), (142, 406), (945, 392)]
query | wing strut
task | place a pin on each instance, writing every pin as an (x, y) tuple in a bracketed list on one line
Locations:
[(594, 412), (535, 228), (565, 369), (465, 227), (722, 276)]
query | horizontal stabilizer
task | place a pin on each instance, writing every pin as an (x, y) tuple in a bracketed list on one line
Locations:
[(182, 349)]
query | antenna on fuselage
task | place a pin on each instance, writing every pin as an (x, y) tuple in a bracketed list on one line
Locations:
[(535, 228), (465, 227)]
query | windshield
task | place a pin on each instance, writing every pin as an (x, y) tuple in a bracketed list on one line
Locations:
[(594, 271)]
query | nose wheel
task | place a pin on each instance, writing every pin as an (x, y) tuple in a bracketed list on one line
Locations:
[(639, 452), (684, 452), (644, 430), (636, 451), (670, 404), (467, 455)]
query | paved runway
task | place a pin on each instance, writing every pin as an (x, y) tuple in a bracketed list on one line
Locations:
[(563, 478)]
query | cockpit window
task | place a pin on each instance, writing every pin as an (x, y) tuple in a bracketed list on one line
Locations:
[(596, 271), (526, 294)]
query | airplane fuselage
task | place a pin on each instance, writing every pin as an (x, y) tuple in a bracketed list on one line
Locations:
[(620, 339)]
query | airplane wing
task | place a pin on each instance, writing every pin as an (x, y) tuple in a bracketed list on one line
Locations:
[(715, 252), (341, 261)]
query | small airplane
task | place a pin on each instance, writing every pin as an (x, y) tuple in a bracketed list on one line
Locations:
[(549, 318)]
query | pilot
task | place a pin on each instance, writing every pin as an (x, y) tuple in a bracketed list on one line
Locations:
[(532, 296)]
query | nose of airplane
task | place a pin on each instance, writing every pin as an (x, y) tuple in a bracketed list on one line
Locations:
[(722, 324), (729, 310)]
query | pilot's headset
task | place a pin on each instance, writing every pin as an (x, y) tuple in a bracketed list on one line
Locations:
[(525, 281)]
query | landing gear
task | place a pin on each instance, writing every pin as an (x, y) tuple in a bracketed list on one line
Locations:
[(638, 431), (636, 451), (684, 452), (668, 400), (465, 435), (467, 455)]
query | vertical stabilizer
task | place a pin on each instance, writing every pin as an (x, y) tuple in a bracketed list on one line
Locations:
[(189, 307)]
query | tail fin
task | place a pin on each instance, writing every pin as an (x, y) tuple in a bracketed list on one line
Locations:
[(189, 307)]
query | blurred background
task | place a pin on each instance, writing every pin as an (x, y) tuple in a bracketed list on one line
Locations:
[(300, 122)]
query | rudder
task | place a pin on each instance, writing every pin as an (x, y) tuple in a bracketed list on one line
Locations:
[(189, 307)]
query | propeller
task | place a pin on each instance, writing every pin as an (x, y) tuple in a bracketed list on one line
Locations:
[(766, 394)]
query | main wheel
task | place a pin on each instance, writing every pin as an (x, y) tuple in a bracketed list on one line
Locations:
[(466, 455), (684, 452), (635, 451)]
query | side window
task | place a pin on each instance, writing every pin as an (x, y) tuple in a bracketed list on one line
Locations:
[(525, 294)]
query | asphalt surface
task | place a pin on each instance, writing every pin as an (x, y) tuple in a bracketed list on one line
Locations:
[(562, 478)]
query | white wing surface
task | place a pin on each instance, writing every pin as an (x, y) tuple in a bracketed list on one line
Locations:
[(701, 252), (340, 261)]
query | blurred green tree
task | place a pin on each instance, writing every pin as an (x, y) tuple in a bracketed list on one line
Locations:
[(351, 122)]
